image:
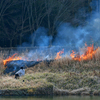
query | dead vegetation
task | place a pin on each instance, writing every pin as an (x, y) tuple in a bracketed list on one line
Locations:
[(64, 74)]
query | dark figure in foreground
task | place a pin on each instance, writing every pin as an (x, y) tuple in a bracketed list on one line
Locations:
[(20, 73)]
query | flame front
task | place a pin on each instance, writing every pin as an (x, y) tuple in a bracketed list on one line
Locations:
[(58, 54), (13, 57), (89, 53)]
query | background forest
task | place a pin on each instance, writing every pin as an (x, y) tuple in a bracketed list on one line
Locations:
[(19, 19)]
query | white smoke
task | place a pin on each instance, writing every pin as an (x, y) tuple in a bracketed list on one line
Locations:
[(68, 37)]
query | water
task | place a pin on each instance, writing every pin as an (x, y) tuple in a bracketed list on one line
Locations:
[(53, 98)]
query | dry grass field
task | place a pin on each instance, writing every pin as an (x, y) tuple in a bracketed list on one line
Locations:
[(63, 73)]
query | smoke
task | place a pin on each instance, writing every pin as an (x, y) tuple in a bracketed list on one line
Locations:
[(68, 37), (89, 32), (41, 38)]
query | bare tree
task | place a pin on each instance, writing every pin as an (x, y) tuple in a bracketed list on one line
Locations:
[(21, 17), (13, 20), (36, 16), (59, 11), (6, 20)]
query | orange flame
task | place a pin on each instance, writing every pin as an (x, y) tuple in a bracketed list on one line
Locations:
[(58, 54), (13, 57), (89, 53), (38, 59)]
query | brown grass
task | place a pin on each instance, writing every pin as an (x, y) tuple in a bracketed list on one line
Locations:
[(64, 73), (2, 68)]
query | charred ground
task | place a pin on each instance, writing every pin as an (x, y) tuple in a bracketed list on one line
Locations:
[(63, 76)]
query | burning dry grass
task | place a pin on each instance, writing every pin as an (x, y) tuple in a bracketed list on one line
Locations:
[(63, 73), (66, 65), (69, 74)]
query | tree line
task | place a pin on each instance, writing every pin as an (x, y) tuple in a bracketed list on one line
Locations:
[(19, 19)]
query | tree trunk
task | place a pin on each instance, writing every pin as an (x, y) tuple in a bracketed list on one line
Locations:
[(10, 42), (20, 41)]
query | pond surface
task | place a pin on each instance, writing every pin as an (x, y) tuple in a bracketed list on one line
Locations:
[(52, 98)]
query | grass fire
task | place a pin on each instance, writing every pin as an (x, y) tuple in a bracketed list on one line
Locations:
[(42, 48), (12, 58), (88, 54), (62, 72)]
